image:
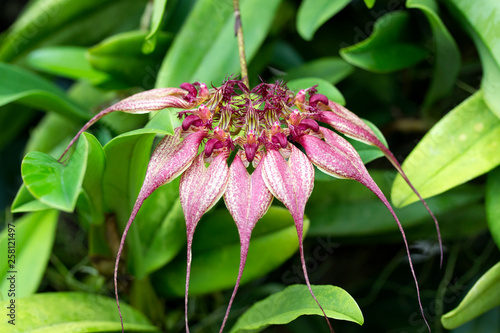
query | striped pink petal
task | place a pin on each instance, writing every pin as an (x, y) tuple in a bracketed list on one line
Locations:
[(146, 101), (351, 125), (292, 182), (336, 157), (170, 158), (200, 188), (247, 199)]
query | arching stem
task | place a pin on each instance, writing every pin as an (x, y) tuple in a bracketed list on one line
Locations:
[(238, 31)]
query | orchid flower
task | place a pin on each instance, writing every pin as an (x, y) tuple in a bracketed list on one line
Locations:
[(263, 128)]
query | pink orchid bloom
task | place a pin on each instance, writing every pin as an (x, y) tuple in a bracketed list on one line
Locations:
[(263, 127)]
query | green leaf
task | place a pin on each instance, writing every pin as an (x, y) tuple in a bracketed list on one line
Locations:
[(217, 254), (33, 237), (480, 19), (370, 3), (156, 17), (492, 204), (313, 13), (388, 48), (127, 158), (121, 57), (68, 22), (162, 219), (447, 54), (92, 182), (214, 56), (332, 69), (484, 295), (53, 183), (65, 61), (64, 312), (324, 87), (26, 202), (164, 121), (295, 301), (461, 146), (347, 209), (19, 85)]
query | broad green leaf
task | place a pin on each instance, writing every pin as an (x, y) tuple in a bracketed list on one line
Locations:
[(93, 208), (388, 48), (331, 69), (156, 17), (19, 85), (26, 202), (324, 87), (461, 146), (214, 56), (165, 121), (33, 237), (295, 301), (127, 159), (62, 312), (68, 22), (53, 183), (217, 254), (369, 3), (484, 295), (161, 216), (121, 57), (447, 54), (480, 19), (345, 208), (313, 13), (493, 204), (65, 61)]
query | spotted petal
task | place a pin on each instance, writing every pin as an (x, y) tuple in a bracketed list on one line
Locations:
[(199, 189), (292, 182), (351, 125), (247, 199), (146, 101), (170, 158), (336, 156)]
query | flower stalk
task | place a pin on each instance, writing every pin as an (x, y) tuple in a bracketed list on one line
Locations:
[(238, 32)]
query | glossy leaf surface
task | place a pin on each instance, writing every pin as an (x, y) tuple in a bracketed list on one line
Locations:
[(461, 146), (19, 85), (481, 21), (332, 69), (53, 183), (215, 54), (388, 48), (447, 54), (313, 13), (64, 312), (294, 301), (484, 295), (32, 239), (493, 204), (65, 61)]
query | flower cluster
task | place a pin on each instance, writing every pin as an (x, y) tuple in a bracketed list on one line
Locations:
[(262, 129)]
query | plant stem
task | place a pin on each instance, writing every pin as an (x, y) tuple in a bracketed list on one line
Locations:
[(238, 31)]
